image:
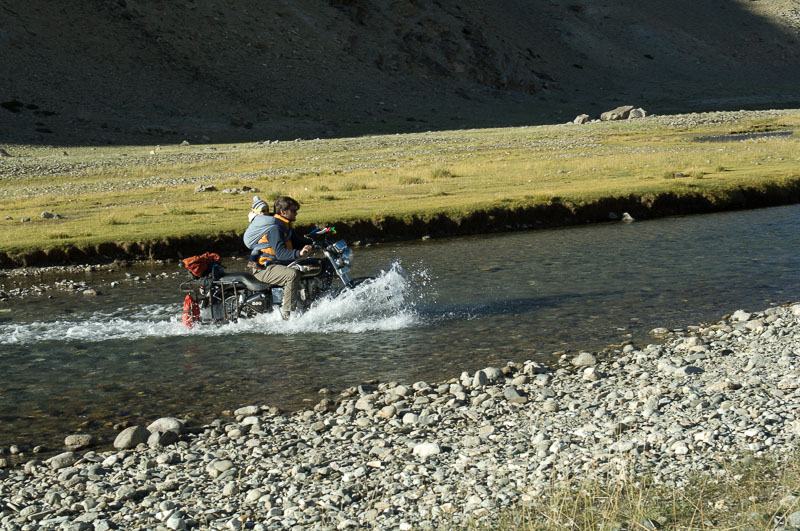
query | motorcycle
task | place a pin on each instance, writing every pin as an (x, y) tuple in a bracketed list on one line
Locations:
[(219, 297)]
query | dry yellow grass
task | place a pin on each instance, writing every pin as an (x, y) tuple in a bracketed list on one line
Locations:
[(744, 493)]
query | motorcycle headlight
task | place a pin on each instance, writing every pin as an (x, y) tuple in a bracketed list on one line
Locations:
[(347, 257)]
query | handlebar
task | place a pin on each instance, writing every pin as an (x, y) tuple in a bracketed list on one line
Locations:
[(320, 233), (330, 229)]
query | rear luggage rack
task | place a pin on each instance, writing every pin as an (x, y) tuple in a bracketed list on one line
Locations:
[(212, 297)]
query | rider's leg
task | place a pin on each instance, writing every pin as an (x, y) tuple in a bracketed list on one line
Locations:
[(282, 276)]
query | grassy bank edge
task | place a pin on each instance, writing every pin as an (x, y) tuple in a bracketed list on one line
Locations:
[(557, 213)]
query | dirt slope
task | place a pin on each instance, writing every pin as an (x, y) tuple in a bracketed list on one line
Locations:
[(158, 71)]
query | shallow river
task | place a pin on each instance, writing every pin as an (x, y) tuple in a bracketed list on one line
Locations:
[(439, 307)]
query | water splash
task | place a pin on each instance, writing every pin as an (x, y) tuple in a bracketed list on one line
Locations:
[(385, 303)]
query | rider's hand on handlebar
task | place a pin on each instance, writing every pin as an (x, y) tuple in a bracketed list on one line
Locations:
[(306, 250)]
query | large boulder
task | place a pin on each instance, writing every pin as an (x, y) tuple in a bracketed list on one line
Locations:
[(620, 113), (637, 113)]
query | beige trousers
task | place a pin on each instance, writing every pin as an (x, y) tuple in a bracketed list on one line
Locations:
[(286, 277)]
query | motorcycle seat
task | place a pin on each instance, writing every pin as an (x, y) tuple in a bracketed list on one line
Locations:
[(249, 281)]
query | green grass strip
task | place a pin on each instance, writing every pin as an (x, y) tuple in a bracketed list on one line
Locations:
[(148, 193)]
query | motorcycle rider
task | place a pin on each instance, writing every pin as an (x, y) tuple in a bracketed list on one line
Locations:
[(274, 245)]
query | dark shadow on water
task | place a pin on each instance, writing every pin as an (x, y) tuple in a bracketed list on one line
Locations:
[(513, 306)]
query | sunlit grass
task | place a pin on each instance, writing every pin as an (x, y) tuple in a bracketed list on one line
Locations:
[(136, 193)]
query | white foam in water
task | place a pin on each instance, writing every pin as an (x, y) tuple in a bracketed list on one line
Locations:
[(383, 304)]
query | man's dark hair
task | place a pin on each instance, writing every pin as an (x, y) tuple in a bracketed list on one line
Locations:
[(285, 203)]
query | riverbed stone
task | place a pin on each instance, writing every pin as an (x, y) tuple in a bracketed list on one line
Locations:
[(166, 424), (793, 519), (493, 374), (131, 437), (387, 412), (740, 315), (480, 380), (366, 402), (512, 394), (425, 450), (584, 359), (246, 411), (62, 460), (165, 438), (77, 441), (217, 467), (591, 374)]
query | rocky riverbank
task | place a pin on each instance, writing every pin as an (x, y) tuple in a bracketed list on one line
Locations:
[(422, 455), (98, 279)]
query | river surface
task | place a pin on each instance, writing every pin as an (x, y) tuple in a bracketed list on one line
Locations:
[(75, 363)]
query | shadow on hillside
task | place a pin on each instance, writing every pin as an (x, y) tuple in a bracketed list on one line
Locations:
[(122, 75)]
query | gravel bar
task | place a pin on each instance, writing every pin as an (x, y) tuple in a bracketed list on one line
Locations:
[(429, 455)]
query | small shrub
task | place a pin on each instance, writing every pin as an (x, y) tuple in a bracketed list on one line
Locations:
[(327, 197), (411, 180), (441, 173), (59, 236), (673, 175), (114, 221), (323, 188), (179, 212), (352, 187)]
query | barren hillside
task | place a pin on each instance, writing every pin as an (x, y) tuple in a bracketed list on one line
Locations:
[(158, 71)]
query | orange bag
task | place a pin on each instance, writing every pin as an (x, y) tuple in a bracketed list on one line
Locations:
[(191, 311), (200, 266)]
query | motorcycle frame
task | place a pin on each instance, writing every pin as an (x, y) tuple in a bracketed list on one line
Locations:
[(194, 289)]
